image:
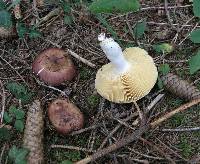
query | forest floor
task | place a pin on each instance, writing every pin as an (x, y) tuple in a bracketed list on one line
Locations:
[(104, 117)]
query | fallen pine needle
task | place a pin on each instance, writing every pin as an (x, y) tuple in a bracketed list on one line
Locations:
[(2, 102), (182, 129), (72, 148)]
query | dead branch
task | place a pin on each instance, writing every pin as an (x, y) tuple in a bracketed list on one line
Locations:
[(3, 102), (81, 59), (85, 129), (154, 102), (72, 148), (181, 129), (156, 148), (136, 134), (13, 69), (2, 152), (55, 12), (173, 112)]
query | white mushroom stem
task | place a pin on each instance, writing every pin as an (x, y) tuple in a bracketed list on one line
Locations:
[(114, 53)]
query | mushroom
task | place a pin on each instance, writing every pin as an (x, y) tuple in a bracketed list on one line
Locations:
[(65, 116), (129, 76), (53, 66)]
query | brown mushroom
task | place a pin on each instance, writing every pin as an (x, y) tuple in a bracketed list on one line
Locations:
[(54, 66), (65, 116)]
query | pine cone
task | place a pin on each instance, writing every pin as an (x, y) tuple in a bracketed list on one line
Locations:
[(33, 134), (180, 88)]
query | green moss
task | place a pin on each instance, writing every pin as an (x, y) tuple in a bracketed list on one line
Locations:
[(84, 73), (97, 142), (185, 146), (71, 155), (178, 120), (196, 134), (175, 102), (93, 100), (80, 140)]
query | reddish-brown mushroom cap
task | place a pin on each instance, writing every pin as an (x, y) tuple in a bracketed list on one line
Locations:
[(65, 116), (53, 66)]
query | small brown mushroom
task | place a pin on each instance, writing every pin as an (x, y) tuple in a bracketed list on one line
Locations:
[(65, 116), (53, 66)]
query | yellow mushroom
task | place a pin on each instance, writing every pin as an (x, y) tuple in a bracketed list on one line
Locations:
[(129, 76)]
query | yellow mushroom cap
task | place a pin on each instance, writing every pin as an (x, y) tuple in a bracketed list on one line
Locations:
[(131, 85)]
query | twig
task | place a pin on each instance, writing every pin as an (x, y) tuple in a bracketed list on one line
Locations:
[(92, 140), (81, 59), (158, 150), (14, 70), (140, 113), (114, 130), (154, 102), (73, 54), (1, 155), (137, 133), (150, 106), (173, 112), (171, 150), (140, 161), (53, 43), (181, 129), (2, 125), (109, 136), (175, 61), (129, 27), (73, 148), (164, 23), (180, 29), (153, 8), (51, 87), (160, 7), (167, 13), (55, 12), (134, 136), (35, 11), (195, 159), (85, 129), (3, 101), (144, 155), (188, 34), (123, 123)]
